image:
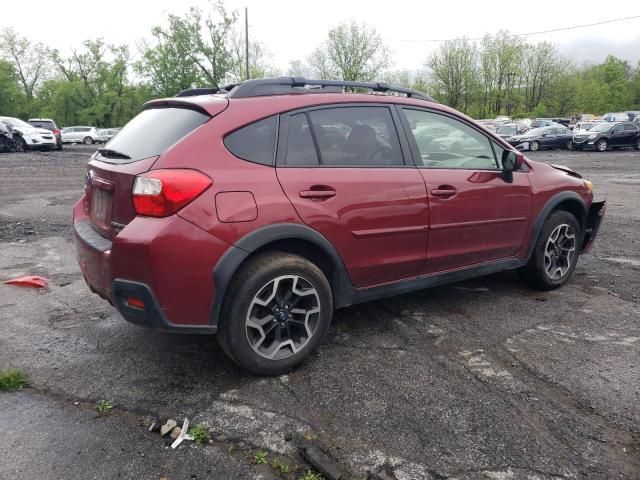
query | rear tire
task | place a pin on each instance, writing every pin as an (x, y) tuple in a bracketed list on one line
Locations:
[(88, 141), (276, 312), (555, 253)]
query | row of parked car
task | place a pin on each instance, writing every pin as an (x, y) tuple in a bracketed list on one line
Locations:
[(42, 133), (615, 130)]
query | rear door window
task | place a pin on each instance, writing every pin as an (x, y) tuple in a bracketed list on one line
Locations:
[(255, 142), (151, 132), (356, 137)]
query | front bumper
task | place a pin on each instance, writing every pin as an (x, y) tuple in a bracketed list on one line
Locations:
[(39, 142), (594, 220)]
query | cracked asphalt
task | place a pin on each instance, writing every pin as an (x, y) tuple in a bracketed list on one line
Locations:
[(484, 379)]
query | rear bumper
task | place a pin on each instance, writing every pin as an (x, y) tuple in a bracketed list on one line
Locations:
[(151, 315), (166, 263), (594, 220)]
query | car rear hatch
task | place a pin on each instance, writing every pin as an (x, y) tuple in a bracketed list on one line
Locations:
[(112, 170)]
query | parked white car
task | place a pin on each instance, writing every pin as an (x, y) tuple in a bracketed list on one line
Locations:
[(107, 133), (31, 137), (86, 135)]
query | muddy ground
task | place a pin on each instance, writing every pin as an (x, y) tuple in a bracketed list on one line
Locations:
[(485, 379)]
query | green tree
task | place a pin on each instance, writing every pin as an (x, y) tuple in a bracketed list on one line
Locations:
[(454, 73), (30, 62), (193, 49), (93, 86), (12, 99), (351, 52)]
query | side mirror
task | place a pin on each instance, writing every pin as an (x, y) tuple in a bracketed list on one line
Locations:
[(511, 161)]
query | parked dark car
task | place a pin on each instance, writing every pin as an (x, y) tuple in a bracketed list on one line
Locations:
[(542, 122), (609, 135), (545, 137), (255, 210), (48, 124), (508, 130)]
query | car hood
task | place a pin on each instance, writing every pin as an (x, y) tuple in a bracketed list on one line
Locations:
[(568, 170)]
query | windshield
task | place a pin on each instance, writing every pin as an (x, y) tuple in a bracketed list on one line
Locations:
[(15, 122), (601, 127), (152, 132), (507, 130), (535, 132)]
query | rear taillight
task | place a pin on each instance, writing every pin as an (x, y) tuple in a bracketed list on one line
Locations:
[(160, 193)]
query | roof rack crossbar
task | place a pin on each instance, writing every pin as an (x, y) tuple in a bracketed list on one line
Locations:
[(284, 85)]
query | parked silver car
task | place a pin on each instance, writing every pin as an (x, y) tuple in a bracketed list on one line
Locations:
[(107, 133), (86, 135)]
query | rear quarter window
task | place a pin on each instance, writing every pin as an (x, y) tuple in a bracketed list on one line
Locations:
[(153, 131), (255, 142)]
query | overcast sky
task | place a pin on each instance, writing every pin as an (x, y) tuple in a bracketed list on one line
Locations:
[(291, 29)]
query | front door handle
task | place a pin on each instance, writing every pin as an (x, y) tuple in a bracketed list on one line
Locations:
[(318, 192), (444, 191)]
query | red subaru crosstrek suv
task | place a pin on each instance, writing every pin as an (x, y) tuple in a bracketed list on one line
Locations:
[(255, 210)]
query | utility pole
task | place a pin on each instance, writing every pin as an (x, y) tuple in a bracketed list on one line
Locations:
[(246, 41)]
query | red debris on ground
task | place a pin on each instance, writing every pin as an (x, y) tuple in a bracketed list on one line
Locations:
[(28, 281)]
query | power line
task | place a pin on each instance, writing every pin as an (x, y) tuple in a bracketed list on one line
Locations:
[(573, 27)]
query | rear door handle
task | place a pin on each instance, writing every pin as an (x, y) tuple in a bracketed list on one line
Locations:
[(318, 192), (444, 191)]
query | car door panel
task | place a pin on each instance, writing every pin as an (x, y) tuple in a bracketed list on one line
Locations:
[(475, 215), (376, 217), (487, 219)]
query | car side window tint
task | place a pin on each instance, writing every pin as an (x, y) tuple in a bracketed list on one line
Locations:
[(618, 129), (301, 150), (631, 128), (255, 142), (356, 137), (444, 142)]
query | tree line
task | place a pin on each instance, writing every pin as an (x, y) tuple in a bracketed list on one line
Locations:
[(104, 85)]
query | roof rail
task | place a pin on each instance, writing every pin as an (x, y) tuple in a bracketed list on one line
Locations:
[(288, 85)]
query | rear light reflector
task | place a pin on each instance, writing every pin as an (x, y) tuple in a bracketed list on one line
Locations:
[(135, 302), (160, 193)]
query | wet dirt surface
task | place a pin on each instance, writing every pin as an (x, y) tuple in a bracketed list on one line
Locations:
[(484, 379)]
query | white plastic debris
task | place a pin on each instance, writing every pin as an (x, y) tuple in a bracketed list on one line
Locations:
[(183, 434)]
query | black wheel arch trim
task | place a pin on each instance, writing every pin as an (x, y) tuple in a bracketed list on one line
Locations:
[(229, 263), (549, 207)]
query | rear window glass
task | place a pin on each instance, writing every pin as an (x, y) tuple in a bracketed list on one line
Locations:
[(47, 125), (151, 132), (255, 142)]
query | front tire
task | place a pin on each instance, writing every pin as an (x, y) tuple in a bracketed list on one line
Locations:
[(277, 310), (88, 141), (534, 146), (602, 145), (555, 253)]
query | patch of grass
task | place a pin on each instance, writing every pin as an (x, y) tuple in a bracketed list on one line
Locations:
[(12, 380), (261, 457), (311, 476), (104, 406), (199, 433), (281, 466)]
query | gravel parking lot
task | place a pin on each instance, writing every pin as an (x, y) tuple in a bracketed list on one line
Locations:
[(481, 379)]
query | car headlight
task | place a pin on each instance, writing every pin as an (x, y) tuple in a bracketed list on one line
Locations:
[(588, 185), (593, 135)]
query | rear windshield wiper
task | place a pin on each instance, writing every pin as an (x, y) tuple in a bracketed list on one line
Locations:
[(107, 152)]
